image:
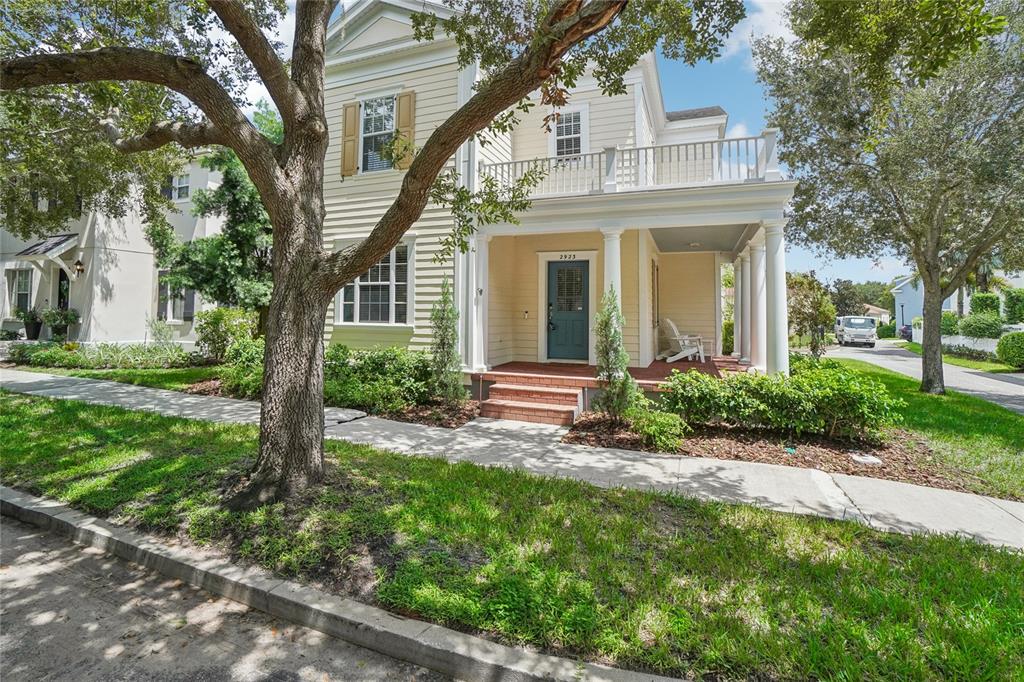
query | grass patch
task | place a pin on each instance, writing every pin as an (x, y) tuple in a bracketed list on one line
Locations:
[(632, 578), (172, 379), (983, 365), (966, 433)]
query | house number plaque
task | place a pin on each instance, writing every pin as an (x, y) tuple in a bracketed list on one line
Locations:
[(567, 256)]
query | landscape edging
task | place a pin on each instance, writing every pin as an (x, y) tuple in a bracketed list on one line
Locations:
[(453, 653)]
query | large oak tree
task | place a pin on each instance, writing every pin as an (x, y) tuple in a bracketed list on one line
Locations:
[(926, 162), (107, 79)]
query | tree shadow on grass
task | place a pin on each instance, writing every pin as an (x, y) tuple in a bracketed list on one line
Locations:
[(638, 579)]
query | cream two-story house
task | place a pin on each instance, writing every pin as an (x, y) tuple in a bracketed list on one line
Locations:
[(646, 202), (103, 267)]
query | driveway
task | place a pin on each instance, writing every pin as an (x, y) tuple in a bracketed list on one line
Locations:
[(73, 613), (1003, 389)]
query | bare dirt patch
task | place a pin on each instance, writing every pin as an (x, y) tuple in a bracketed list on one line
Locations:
[(902, 456), (438, 414), (208, 387)]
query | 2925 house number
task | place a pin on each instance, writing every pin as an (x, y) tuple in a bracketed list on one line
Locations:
[(567, 256)]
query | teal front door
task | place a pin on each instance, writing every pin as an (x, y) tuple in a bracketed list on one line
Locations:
[(568, 313)]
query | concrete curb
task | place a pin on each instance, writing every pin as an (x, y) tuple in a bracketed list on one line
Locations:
[(447, 651)]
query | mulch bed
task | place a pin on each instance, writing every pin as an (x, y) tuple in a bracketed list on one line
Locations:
[(904, 456), (438, 414), (208, 387)]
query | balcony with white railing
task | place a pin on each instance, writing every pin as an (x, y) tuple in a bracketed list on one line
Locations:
[(689, 164)]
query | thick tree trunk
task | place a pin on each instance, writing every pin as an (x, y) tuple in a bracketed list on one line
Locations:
[(931, 346)]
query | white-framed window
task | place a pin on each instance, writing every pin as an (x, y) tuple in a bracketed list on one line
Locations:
[(176, 187), (19, 283), (569, 134), (173, 308), (381, 295), (376, 128)]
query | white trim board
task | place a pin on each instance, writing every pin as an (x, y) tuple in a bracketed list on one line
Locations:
[(543, 258)]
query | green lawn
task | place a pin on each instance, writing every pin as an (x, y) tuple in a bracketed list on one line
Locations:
[(967, 433), (174, 379), (631, 578), (983, 365)]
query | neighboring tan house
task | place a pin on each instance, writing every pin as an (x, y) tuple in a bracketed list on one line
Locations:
[(879, 313), (652, 203), (104, 268)]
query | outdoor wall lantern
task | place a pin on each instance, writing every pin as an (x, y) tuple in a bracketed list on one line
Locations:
[(79, 267)]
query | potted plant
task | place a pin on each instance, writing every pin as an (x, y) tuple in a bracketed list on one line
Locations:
[(59, 319), (32, 320)]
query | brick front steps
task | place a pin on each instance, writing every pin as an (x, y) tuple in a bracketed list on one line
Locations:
[(531, 401)]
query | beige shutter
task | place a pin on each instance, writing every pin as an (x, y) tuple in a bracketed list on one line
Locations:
[(406, 115), (350, 139)]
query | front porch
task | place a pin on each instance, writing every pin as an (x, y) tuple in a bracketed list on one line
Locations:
[(585, 376)]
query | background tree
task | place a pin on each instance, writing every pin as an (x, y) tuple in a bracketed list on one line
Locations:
[(875, 293), (846, 297), (938, 179), (810, 308), (146, 75), (234, 267)]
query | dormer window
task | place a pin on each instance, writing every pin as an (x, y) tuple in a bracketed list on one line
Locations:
[(378, 127)]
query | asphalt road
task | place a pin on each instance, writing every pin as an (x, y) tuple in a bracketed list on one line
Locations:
[(74, 613)]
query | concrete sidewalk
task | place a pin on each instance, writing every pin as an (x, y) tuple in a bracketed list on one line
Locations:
[(1002, 389), (886, 505)]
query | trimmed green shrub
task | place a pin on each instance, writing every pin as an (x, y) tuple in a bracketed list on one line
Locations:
[(1013, 303), (961, 351), (1010, 349), (950, 323), (825, 399), (619, 389), (445, 362), (218, 328), (728, 337), (658, 429), (982, 326), (242, 376), (379, 380), (985, 302), (103, 356), (887, 331)]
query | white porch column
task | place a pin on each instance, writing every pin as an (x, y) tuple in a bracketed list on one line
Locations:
[(745, 295), (479, 244), (737, 307), (758, 306), (613, 263), (778, 313)]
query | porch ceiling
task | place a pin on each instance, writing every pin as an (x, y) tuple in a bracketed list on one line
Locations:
[(704, 238)]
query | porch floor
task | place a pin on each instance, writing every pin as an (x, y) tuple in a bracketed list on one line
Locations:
[(584, 376)]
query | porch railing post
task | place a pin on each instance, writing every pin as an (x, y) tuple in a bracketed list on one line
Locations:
[(768, 160), (610, 163)]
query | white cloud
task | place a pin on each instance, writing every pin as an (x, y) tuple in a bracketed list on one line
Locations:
[(738, 130), (764, 18)]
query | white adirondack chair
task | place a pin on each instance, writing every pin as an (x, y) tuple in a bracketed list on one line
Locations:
[(681, 345)]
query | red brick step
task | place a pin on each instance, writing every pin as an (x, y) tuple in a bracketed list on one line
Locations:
[(535, 394), (541, 413)]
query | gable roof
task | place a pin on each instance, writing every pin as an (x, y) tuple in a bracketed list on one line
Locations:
[(690, 114)]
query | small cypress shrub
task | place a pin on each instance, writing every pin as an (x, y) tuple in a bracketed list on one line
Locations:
[(620, 390), (445, 363)]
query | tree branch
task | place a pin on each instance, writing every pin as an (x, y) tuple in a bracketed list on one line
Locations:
[(308, 54), (239, 22), (188, 135), (567, 23), (180, 74)]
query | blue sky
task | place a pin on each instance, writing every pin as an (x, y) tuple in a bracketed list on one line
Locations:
[(731, 82)]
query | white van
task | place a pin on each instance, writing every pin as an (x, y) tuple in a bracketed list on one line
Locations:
[(856, 329)]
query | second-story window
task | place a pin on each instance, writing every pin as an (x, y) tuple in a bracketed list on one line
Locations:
[(378, 126), (176, 187), (569, 134)]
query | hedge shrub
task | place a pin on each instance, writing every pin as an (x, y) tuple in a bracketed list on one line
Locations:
[(103, 356), (1014, 305), (887, 331), (218, 328), (378, 380), (242, 375), (1010, 349), (950, 323), (825, 399), (984, 302), (981, 326)]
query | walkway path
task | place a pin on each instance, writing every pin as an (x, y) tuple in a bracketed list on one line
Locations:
[(886, 505), (128, 623), (1003, 389)]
